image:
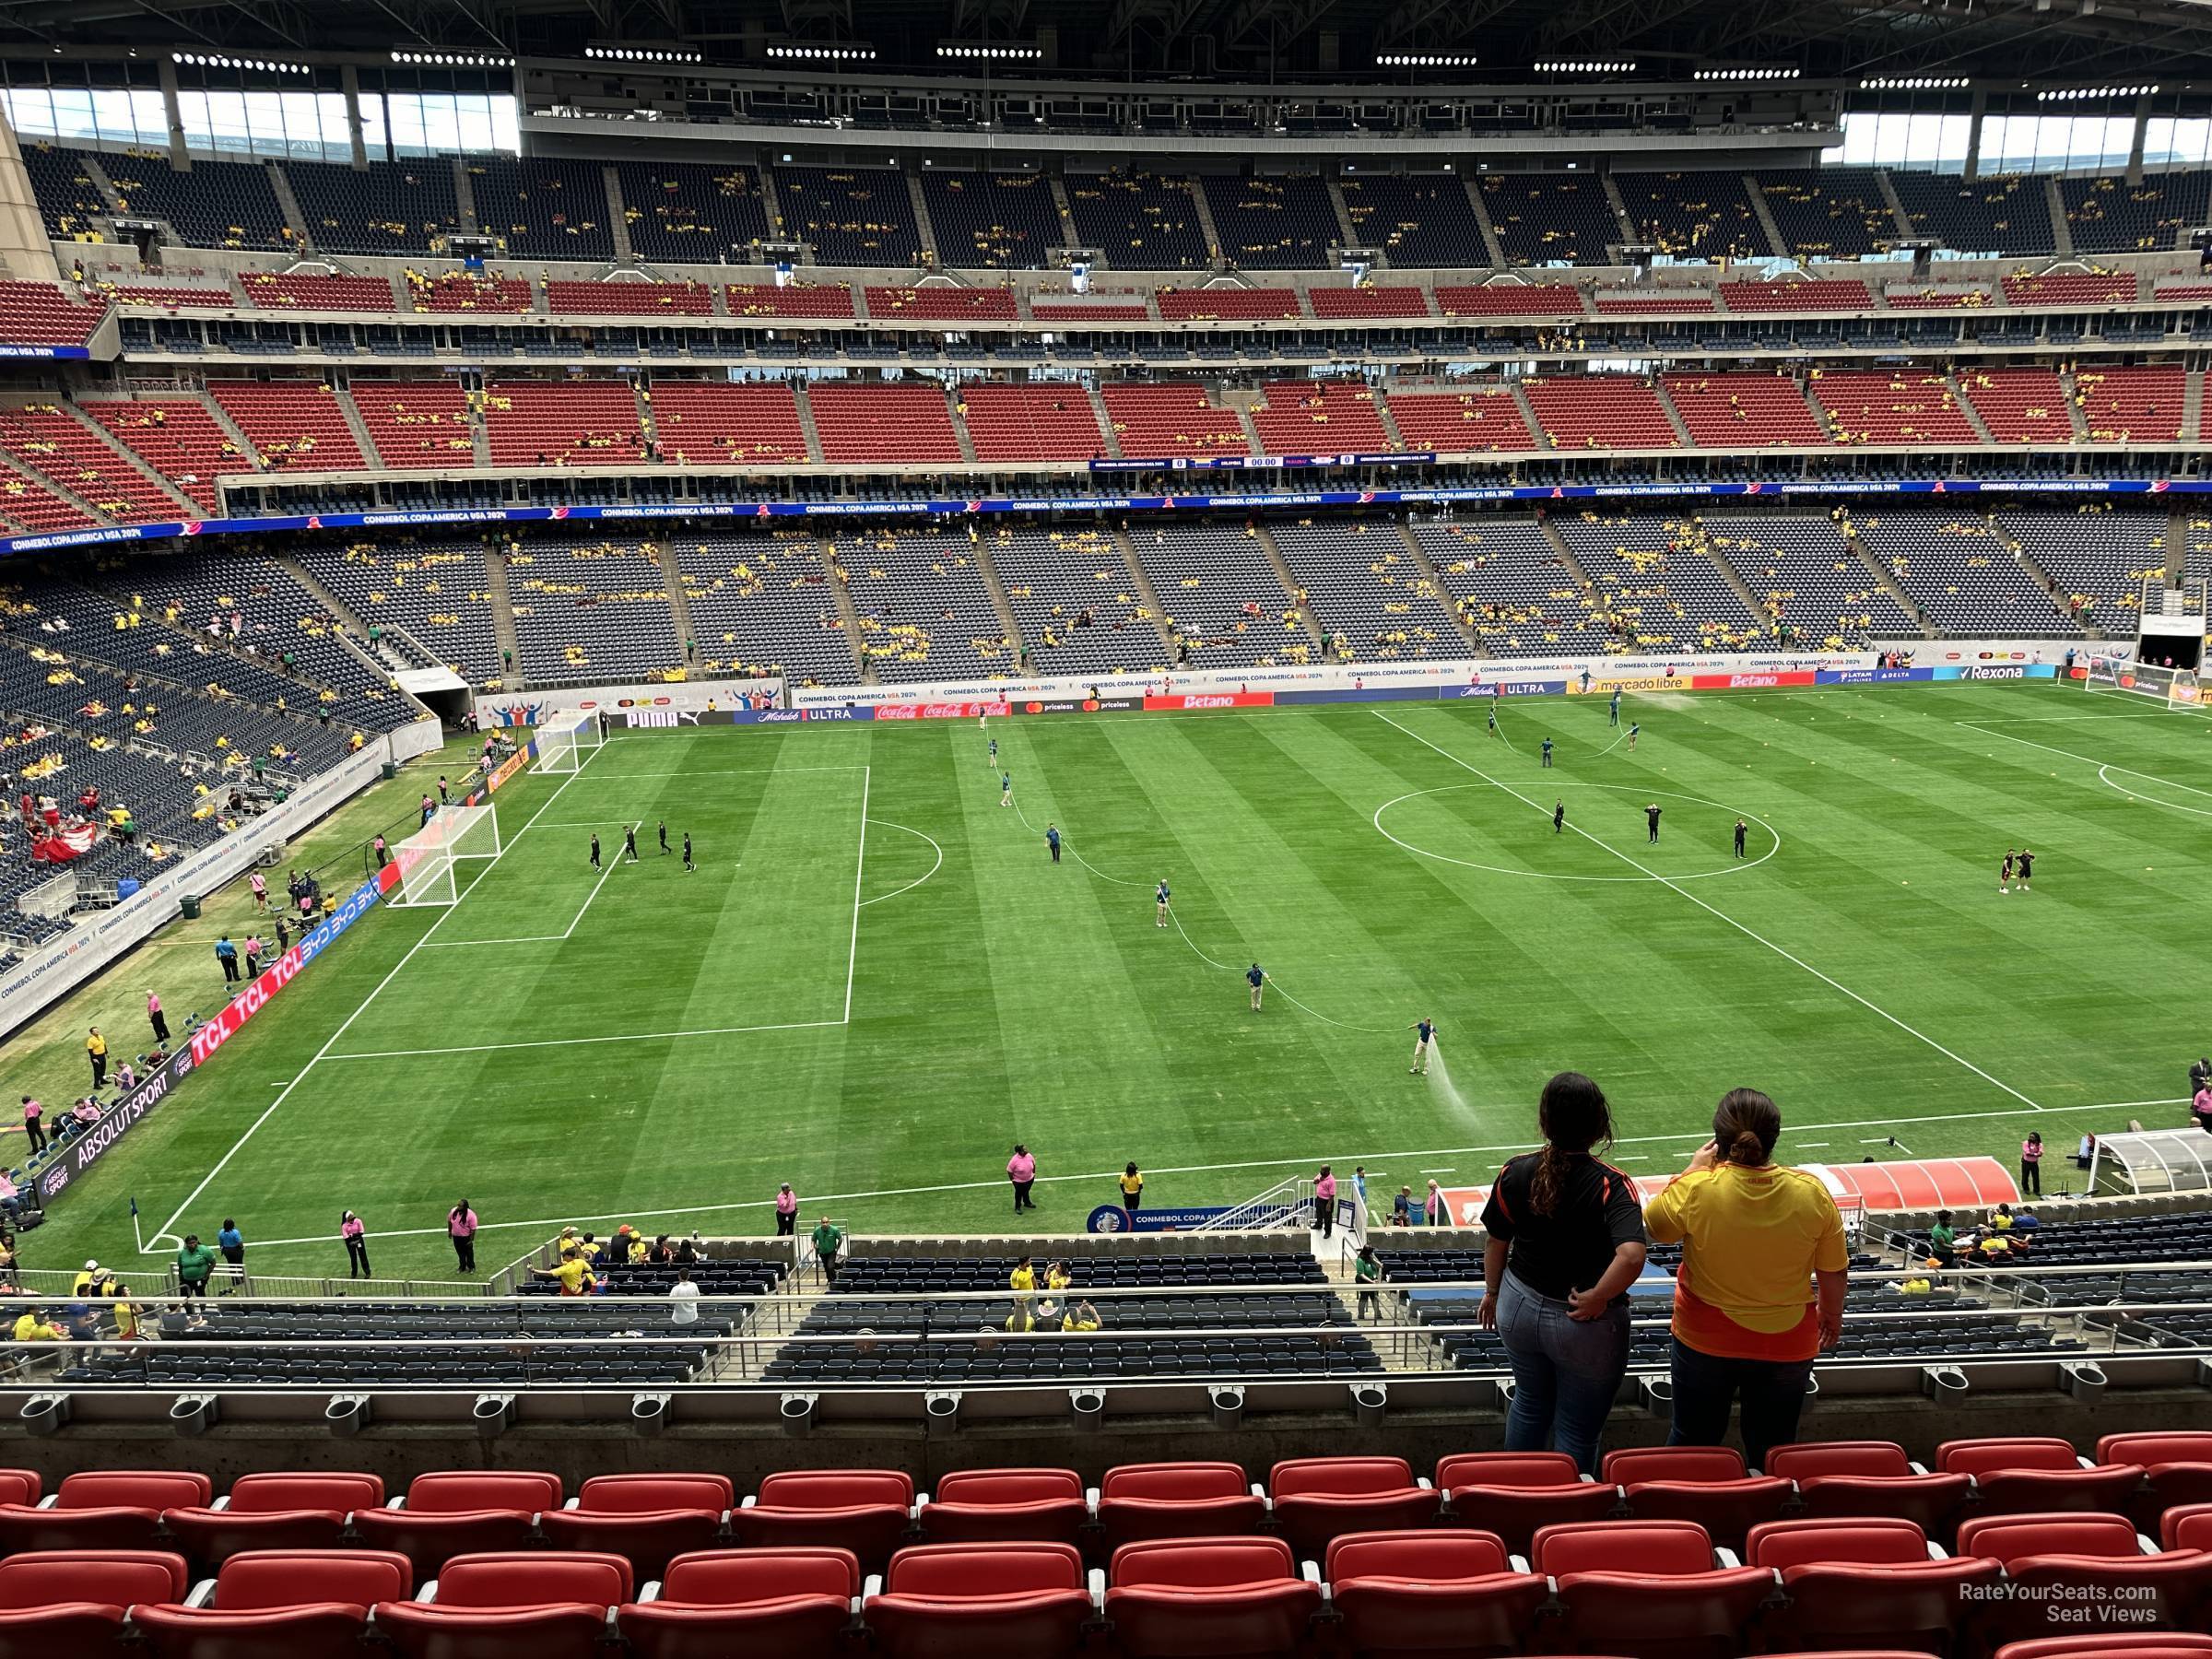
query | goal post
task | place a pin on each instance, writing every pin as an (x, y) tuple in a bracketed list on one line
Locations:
[(2177, 688), (564, 744), (430, 861)]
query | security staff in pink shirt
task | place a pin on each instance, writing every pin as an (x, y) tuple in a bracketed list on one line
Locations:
[(787, 1211), (1021, 1170)]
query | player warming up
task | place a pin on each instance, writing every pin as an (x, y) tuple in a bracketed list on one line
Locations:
[(1559, 816), (629, 844), (1614, 709), (1651, 822), (595, 849), (1256, 977), (1493, 714), (2027, 867), (1424, 1031), (993, 754), (663, 827), (1005, 789), (689, 866), (1548, 751), (1160, 899), (1052, 840), (1741, 830), (2004, 871), (1634, 730)]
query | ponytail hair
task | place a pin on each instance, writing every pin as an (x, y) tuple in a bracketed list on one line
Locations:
[(1572, 1112), (1744, 1127)]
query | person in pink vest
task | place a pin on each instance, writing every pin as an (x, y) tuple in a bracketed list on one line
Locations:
[(356, 1235), (461, 1226), (787, 1212), (157, 1020), (1021, 1170), (32, 1113), (1324, 1201)]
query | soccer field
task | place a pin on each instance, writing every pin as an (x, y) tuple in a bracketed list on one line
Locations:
[(877, 979)]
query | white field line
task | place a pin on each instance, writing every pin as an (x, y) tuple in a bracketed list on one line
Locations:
[(2094, 761), (1685, 1143), (886, 824), (501, 1048), (1722, 915), (536, 938), (860, 867), (723, 771), (284, 1094)]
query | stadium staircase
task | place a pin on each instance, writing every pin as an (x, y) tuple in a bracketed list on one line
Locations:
[(1345, 228), (503, 616), (53, 486), (1764, 213), (2073, 413), (1528, 410), (805, 408), (960, 428), (1733, 577), (1674, 415), (1894, 203), (924, 229), (1063, 209), (2062, 228), (1621, 216), (249, 457), (1004, 606), (2193, 405), (465, 198), (290, 204), (1281, 568), (1204, 215), (360, 427), (1113, 442), (1885, 578), (617, 217), (1435, 580), (1966, 407), (2037, 574), (122, 456), (1138, 574), (842, 586), (1490, 244), (679, 601)]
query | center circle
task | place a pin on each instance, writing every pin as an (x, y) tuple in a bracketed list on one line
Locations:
[(1732, 869)]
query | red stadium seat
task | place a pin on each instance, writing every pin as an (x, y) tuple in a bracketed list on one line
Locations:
[(115, 1510), (867, 1512), (1647, 1590), (2088, 1561), (1865, 1580), (275, 1604), (1317, 1498), (2024, 1475), (2143, 1645), (1836, 1479), (976, 1506), (1434, 1591), (20, 1485), (1176, 1501), (1706, 1484), (2187, 1526), (950, 1601), (72, 1602), (755, 1601), (273, 1511), (533, 1606), (648, 1520), (460, 1512), (2177, 1469), (1516, 1494), (1226, 1598)]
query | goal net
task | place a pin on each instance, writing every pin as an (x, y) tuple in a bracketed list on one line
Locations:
[(566, 745), (431, 859), (2176, 687)]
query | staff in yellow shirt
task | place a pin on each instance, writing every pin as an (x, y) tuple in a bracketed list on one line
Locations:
[(1760, 1291)]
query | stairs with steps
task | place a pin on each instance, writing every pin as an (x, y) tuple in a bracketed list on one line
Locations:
[(1765, 215), (679, 603), (352, 633), (1885, 578), (842, 589), (1674, 415), (358, 427), (1482, 219), (2062, 228), (1346, 230), (1619, 205), (617, 221), (1143, 588), (1966, 407), (464, 197), (249, 457), (1281, 567), (2037, 574), (1736, 584), (1895, 202), (923, 227), (988, 570), (186, 507), (503, 617), (1435, 579), (2192, 406), (290, 204), (959, 427), (1528, 415), (11, 467), (1098, 408), (1206, 223), (805, 408)]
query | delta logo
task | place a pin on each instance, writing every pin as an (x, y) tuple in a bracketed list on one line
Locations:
[(192, 526), (560, 512)]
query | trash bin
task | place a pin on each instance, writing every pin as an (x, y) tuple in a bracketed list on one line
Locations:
[(391, 770), (190, 905)]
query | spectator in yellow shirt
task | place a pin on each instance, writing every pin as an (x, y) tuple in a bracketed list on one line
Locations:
[(1081, 1317), (574, 1274), (32, 1326), (1760, 1289)]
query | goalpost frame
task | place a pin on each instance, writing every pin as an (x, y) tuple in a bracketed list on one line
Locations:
[(2178, 689), (428, 860), (565, 744)]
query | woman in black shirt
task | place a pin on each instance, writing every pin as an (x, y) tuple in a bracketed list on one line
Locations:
[(1566, 1243)]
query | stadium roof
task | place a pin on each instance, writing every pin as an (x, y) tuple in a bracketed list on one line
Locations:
[(2060, 40)]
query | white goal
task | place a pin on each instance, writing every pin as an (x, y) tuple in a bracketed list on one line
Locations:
[(429, 860), (565, 744), (2177, 688)]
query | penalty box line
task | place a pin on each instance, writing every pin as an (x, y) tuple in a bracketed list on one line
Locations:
[(168, 1229), (1722, 916)]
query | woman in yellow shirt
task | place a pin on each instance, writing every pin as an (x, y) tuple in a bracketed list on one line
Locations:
[(1132, 1194), (1760, 1291)]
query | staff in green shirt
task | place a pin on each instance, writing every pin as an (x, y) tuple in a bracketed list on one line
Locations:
[(196, 1261), (1367, 1271), (827, 1241), (1942, 1241)]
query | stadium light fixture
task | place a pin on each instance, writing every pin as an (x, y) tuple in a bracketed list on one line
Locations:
[(640, 54), (842, 55), (1915, 83), (2074, 94), (971, 49), (455, 60), (1426, 60), (1583, 66), (201, 60), (1746, 74)]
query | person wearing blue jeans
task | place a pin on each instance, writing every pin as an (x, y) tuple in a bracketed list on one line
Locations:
[(1706, 1386), (1566, 1243)]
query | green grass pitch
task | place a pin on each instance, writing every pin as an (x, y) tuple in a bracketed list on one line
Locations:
[(877, 981)]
